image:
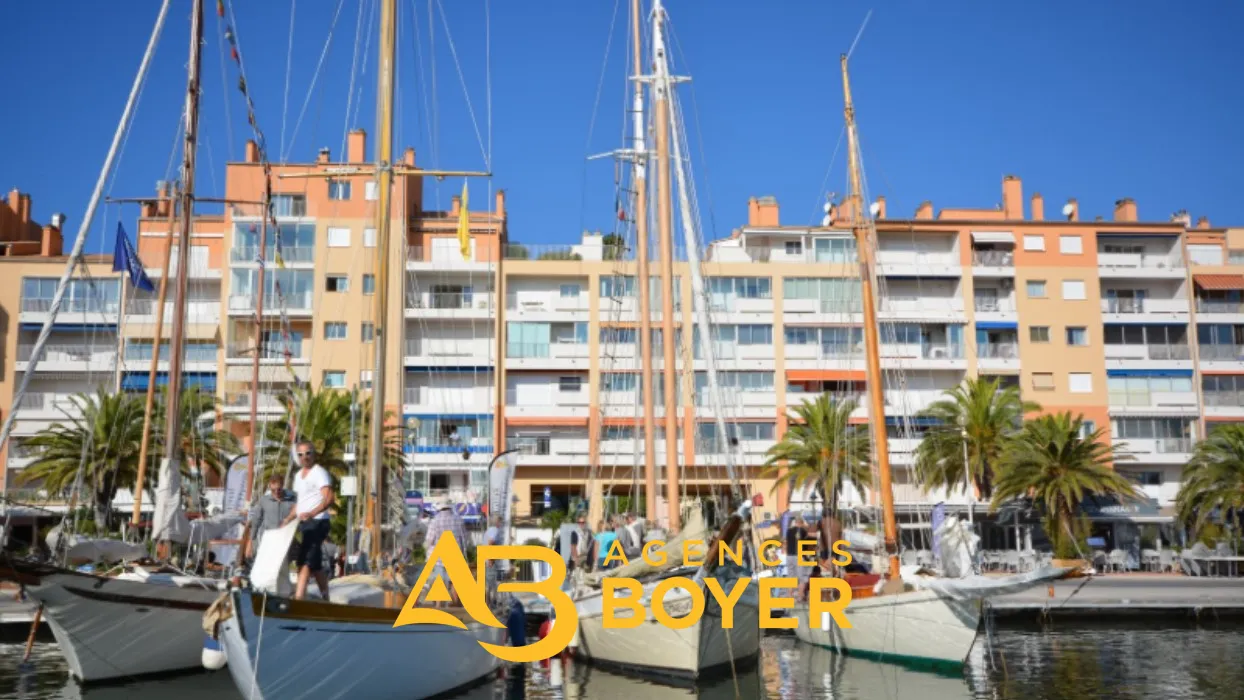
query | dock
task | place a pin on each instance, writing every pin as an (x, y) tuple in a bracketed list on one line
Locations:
[(1127, 595)]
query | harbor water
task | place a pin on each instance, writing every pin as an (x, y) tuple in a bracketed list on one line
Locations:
[(1063, 661)]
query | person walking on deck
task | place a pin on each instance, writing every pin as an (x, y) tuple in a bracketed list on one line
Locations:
[(446, 521), (314, 489), (269, 513)]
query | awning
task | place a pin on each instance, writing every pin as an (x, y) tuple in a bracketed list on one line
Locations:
[(925, 421), (993, 237), (73, 327), (825, 375), (1219, 282), (996, 325), (1148, 373), (137, 381)]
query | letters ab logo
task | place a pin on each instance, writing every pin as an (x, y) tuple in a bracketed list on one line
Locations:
[(471, 594)]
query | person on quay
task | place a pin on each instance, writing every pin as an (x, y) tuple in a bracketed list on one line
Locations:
[(446, 521), (269, 513), (314, 489)]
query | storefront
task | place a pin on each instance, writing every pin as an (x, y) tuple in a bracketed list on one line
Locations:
[(1132, 526)]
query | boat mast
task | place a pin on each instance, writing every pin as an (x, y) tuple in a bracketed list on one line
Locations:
[(155, 357), (384, 186), (661, 121), (170, 468), (639, 181), (872, 343), (259, 344)]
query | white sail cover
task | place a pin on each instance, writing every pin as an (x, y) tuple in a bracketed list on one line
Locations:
[(957, 546), (91, 551), (270, 571), (213, 528), (976, 586), (170, 522)]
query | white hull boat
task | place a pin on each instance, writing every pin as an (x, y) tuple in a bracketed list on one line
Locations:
[(277, 648), (120, 628), (653, 648)]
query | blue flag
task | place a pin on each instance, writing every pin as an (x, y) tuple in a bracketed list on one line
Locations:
[(124, 259)]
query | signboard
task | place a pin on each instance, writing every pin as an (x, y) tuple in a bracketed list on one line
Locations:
[(235, 486), (938, 516), (1110, 507)]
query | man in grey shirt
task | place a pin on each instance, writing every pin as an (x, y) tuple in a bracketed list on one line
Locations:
[(273, 507)]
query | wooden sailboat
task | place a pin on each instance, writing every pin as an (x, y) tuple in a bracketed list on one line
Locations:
[(138, 622), (928, 623), (653, 648), (282, 648)]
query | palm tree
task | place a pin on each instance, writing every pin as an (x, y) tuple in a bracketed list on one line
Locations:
[(102, 436), (1051, 462), (202, 444), (822, 449), (989, 414), (1213, 480), (323, 416)]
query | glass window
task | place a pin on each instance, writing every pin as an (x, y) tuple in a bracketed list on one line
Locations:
[(1087, 428), (801, 335), (291, 205), (755, 334), (1080, 382), (835, 250), (1204, 254), (335, 330), (1036, 289), (365, 376), (617, 286), (1070, 245), (569, 291), (369, 284), (794, 247), (336, 283), (1073, 290), (1039, 334), (338, 237), (370, 192), (368, 332), (618, 336), (569, 384), (334, 379), (580, 332), (619, 381), (900, 333), (1077, 335), (526, 339), (369, 238), (1034, 241), (339, 189)]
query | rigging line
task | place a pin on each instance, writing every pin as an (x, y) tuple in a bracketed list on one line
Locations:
[(466, 94), (488, 78), (328, 42), (591, 125), (435, 106), (289, 69), (354, 61), (224, 87), (859, 34), (821, 193), (699, 136), (358, 98), (423, 100)]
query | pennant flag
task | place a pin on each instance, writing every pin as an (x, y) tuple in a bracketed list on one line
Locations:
[(280, 261), (620, 210), (220, 8), (124, 259), (464, 225)]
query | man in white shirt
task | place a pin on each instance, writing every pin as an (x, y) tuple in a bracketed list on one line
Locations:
[(314, 489)]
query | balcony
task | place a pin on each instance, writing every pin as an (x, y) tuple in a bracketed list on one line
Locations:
[(272, 351), (1149, 402), (47, 406), (449, 257), (1140, 265), (922, 308), (993, 263), (70, 357), (449, 352), (295, 255), (1154, 310), (997, 356), (449, 305), (242, 303), (1218, 311), (428, 450), (899, 263), (239, 403), (1159, 450), (455, 399), (1220, 357), (1148, 356), (196, 357), (925, 356), (565, 356), (571, 404), (85, 311), (545, 450), (1224, 404), (546, 307), (143, 311), (738, 404)]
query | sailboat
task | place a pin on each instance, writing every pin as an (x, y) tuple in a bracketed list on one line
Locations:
[(277, 647), (919, 621), (138, 622), (653, 648)]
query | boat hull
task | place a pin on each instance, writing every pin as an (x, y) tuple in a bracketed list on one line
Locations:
[(916, 628), (272, 656), (652, 648), (112, 629)]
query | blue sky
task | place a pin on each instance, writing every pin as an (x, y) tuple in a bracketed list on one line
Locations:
[(1096, 100)]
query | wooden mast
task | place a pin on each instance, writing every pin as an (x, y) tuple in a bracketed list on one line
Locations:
[(153, 372), (384, 187), (172, 411), (861, 226), (661, 121), (639, 180), (259, 344)]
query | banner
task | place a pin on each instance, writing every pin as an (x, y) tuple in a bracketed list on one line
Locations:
[(235, 486), (939, 514)]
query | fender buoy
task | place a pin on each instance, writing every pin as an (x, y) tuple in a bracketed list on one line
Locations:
[(213, 654)]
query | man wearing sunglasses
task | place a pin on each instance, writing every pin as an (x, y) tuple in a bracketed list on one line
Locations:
[(314, 488)]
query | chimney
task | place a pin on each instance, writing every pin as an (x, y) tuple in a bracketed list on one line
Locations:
[(1013, 198), (500, 204), (455, 205), (1125, 210), (1038, 207), (15, 200), (409, 157), (881, 207), (23, 213), (356, 146), (1072, 210), (324, 155), (925, 210), (162, 204), (762, 211), (52, 243), (252, 151), (753, 211), (1202, 222)]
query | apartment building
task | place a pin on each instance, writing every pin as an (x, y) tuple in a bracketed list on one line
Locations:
[(1137, 325)]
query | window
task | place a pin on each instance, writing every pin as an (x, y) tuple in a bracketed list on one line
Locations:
[(370, 192), (1039, 334), (901, 333), (291, 205), (570, 384), (706, 433), (1145, 478), (1204, 254), (1087, 428), (1073, 290), (369, 238), (338, 189), (802, 335), (619, 381), (617, 286), (1034, 241), (338, 238), (835, 294), (334, 379), (365, 378), (794, 247), (335, 330), (1070, 245), (1080, 382), (755, 334), (1077, 335), (1043, 381), (1152, 428), (368, 332), (835, 250), (1235, 257), (369, 284), (336, 283), (569, 291), (618, 336), (1036, 289), (722, 290)]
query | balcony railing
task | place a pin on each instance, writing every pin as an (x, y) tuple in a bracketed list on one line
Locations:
[(993, 258), (543, 350), (198, 352), (941, 352), (294, 254), (993, 306), (1224, 399), (449, 300), (997, 351), (530, 445), (1144, 306), (1149, 352), (1173, 445), (94, 306), (1227, 353), (294, 301), (270, 350), (1140, 260), (242, 399), (100, 352), (1207, 306)]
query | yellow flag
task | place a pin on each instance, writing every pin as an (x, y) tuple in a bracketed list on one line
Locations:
[(464, 225)]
